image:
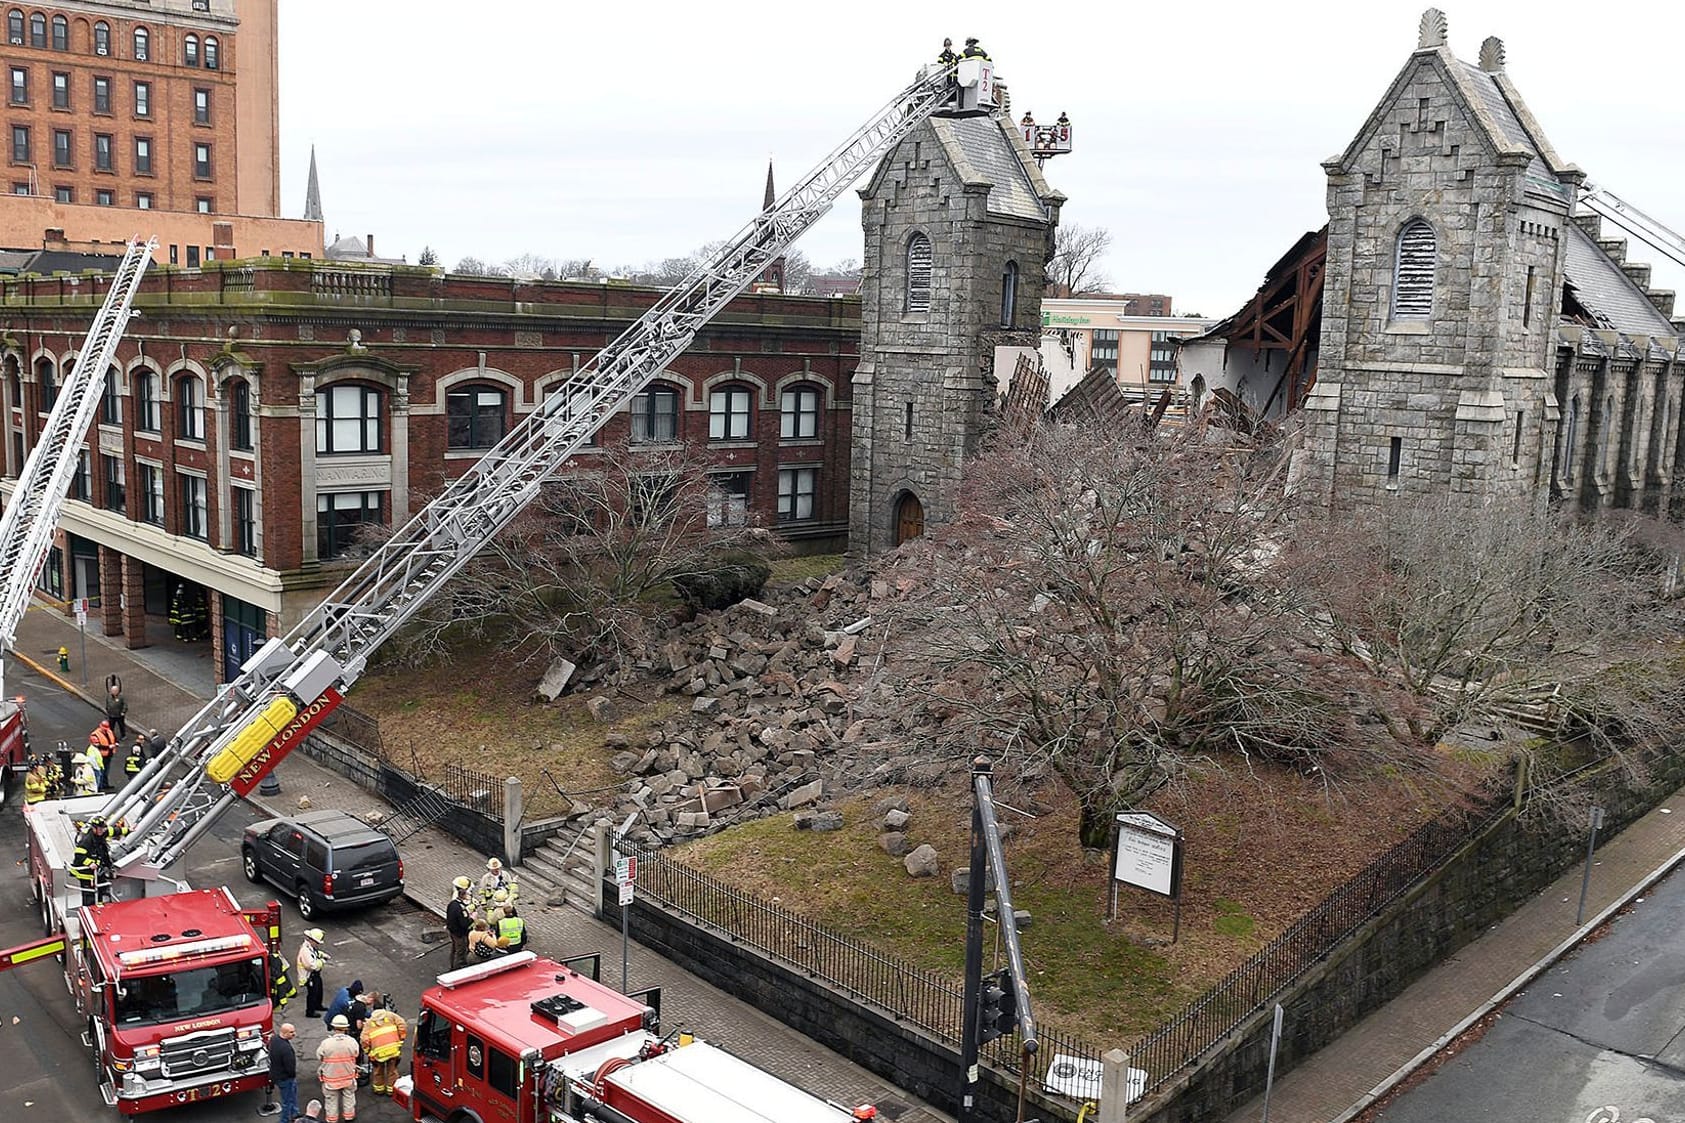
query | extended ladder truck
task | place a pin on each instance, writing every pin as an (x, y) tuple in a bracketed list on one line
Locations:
[(293, 682), (26, 527)]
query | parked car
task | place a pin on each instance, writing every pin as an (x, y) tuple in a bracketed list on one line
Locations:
[(324, 859)]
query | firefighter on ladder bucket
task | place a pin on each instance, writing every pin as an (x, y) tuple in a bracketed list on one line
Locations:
[(90, 865)]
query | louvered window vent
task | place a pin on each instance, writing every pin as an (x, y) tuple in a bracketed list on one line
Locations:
[(1412, 290), (918, 274)]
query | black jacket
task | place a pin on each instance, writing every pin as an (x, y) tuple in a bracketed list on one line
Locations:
[(456, 918), (283, 1062)]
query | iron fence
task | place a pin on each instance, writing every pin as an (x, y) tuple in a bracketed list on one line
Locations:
[(925, 999), (353, 725), (478, 790), (1166, 1051)]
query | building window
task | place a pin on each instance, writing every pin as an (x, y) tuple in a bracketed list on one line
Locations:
[(143, 44), (245, 521), (1515, 449), (1395, 459), (14, 28), (212, 53), (918, 274), (1102, 351), (61, 90), (111, 407), (148, 411), (201, 107), (102, 38), (202, 204), (193, 257), (151, 493), (338, 515), (347, 419), (143, 99), (105, 198), (20, 144), (37, 30), (79, 486), (61, 34), (728, 498), (47, 379), (143, 155), (202, 161), (115, 496), (102, 95), (796, 488), (64, 194), (240, 415), (655, 416), (1162, 358), (190, 410), (102, 152), (1413, 272), (1009, 294), (61, 148), (143, 200), (190, 50), (475, 416), (20, 86), (907, 422), (728, 414), (1527, 300), (798, 413), (193, 510)]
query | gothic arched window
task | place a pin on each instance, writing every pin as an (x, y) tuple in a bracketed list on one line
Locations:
[(1413, 272), (918, 273)]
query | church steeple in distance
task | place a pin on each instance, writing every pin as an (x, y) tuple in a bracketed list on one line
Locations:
[(313, 192), (772, 277)]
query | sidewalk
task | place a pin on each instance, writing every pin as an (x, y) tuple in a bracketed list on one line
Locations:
[(1338, 1083), (432, 859)]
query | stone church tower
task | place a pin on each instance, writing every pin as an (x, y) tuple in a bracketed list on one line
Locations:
[(1447, 219), (959, 226)]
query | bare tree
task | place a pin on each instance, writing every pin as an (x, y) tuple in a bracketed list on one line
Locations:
[(1116, 606), (581, 570), (1077, 251), (475, 267)]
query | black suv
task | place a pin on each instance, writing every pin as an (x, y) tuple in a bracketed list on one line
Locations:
[(326, 859)]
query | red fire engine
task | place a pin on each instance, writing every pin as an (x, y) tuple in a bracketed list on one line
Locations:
[(529, 1040), (173, 983), (14, 745)]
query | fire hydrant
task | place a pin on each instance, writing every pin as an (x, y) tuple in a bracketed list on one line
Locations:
[(64, 658)]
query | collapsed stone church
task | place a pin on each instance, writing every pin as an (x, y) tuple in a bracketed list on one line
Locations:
[(1462, 325)]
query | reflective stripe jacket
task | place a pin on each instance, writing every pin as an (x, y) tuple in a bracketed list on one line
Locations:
[(338, 1054), (383, 1035)]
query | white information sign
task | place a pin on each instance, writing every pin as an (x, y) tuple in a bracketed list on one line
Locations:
[(625, 893), (1146, 852)]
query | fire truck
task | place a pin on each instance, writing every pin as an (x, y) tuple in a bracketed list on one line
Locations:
[(14, 746), (172, 983), (528, 1040)]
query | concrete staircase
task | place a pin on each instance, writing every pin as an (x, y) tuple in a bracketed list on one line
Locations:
[(561, 868)]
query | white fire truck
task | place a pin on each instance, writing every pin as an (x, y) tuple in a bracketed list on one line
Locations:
[(529, 1040)]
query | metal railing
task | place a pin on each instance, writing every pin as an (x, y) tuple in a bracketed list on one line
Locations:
[(907, 993), (360, 729), (477, 790)]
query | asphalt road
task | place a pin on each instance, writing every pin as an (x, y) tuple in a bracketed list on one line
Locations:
[(1599, 1038), (45, 1071)]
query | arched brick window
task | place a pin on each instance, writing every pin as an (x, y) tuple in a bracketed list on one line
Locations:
[(212, 53), (1413, 272), (190, 50), (61, 34), (143, 44), (729, 411), (918, 273), (190, 409), (102, 38), (476, 415)]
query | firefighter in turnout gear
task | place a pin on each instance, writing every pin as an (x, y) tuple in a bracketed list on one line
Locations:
[(383, 1040), (86, 778), (136, 760), (36, 784), (90, 865), (496, 879)]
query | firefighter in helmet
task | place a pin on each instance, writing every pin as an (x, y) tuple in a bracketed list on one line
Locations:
[(35, 782), (281, 985), (90, 864), (136, 760), (383, 1040)]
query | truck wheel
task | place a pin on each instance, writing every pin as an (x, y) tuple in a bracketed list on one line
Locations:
[(306, 904), (249, 861)]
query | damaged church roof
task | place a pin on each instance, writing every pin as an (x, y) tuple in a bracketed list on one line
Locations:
[(1603, 289)]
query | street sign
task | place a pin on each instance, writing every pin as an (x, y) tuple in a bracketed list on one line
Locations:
[(626, 870), (625, 893), (81, 618)]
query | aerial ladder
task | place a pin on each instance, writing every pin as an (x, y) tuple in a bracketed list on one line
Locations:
[(290, 684), (1652, 232), (26, 526)]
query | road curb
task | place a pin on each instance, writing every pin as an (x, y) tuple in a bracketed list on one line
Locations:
[(1508, 991), (54, 677)]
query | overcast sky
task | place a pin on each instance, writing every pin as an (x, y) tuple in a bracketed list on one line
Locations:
[(630, 132)]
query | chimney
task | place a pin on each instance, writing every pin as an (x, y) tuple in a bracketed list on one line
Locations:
[(371, 245)]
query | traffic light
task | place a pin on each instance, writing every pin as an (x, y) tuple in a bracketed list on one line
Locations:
[(997, 1006)]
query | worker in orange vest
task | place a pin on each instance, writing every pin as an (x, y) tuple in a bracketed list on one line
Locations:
[(383, 1040), (105, 738)]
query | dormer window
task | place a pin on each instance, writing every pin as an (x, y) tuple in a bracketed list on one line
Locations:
[(1413, 272)]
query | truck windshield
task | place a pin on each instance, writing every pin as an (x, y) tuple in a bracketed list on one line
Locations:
[(192, 993)]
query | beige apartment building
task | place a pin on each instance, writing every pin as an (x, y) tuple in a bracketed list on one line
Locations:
[(1082, 333)]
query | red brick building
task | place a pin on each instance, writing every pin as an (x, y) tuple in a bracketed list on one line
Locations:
[(261, 410)]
